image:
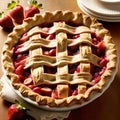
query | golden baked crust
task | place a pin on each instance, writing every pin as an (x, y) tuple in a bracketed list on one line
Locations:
[(62, 78)]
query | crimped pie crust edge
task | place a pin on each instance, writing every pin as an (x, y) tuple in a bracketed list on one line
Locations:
[(51, 17)]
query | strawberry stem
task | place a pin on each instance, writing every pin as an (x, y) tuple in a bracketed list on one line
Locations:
[(19, 106), (35, 4), (40, 5), (12, 4), (1, 14)]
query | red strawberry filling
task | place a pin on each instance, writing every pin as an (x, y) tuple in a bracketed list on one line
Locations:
[(50, 70), (74, 68), (19, 59), (49, 51), (73, 50)]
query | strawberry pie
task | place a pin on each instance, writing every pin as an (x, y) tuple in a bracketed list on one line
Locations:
[(60, 59)]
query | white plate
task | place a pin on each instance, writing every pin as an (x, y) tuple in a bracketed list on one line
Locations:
[(110, 1), (99, 13), (110, 4), (97, 7), (97, 16)]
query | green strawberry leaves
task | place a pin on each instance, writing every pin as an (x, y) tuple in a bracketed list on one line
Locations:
[(12, 4), (35, 4)]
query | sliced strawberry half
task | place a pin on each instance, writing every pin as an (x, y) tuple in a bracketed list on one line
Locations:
[(28, 81), (46, 91), (75, 92), (19, 70), (49, 51), (37, 90), (55, 94), (78, 69), (103, 61), (101, 49)]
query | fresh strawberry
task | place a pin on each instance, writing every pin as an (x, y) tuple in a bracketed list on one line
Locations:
[(16, 112), (16, 11), (6, 22), (32, 9)]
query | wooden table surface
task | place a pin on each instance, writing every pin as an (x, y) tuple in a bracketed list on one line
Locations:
[(106, 107)]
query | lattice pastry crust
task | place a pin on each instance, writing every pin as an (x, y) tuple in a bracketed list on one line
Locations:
[(62, 79)]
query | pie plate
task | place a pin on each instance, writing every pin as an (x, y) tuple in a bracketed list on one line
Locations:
[(59, 60), (45, 107)]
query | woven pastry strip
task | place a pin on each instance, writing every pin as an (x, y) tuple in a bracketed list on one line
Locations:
[(37, 60)]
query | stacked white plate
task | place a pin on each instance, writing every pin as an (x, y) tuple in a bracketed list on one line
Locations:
[(105, 10)]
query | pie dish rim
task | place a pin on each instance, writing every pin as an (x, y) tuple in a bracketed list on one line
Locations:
[(84, 103)]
